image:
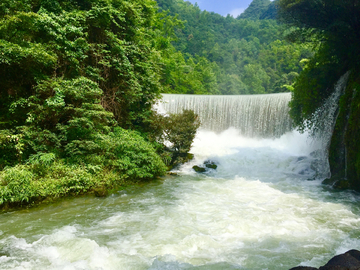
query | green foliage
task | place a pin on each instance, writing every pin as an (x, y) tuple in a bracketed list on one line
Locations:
[(107, 42), (129, 154), (181, 129), (177, 131), (26, 184), (255, 9), (313, 86), (332, 29), (353, 133), (230, 48), (16, 185), (42, 159), (11, 148), (71, 73), (192, 76)]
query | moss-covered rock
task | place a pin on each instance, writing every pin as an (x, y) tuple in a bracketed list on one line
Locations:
[(199, 169), (344, 152), (210, 164)]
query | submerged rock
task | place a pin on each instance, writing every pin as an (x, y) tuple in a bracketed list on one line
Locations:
[(208, 164), (337, 183), (199, 169), (347, 261)]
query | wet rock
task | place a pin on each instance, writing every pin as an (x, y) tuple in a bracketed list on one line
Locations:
[(342, 184), (347, 261), (199, 169), (303, 268), (328, 181), (210, 164), (337, 183)]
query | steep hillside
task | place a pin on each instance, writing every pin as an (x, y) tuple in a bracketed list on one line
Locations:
[(248, 55), (255, 10)]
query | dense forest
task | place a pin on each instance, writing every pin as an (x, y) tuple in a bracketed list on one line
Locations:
[(226, 55), (78, 81)]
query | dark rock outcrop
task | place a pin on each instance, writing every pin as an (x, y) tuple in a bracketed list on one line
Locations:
[(347, 261), (199, 169), (344, 151), (208, 164)]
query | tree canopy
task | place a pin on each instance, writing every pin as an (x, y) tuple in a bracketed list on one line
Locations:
[(78, 79), (231, 49), (332, 28)]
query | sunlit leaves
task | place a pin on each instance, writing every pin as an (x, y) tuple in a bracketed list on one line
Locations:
[(332, 28)]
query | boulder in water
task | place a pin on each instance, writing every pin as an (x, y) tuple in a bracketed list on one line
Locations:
[(208, 164), (337, 183), (199, 169), (347, 261)]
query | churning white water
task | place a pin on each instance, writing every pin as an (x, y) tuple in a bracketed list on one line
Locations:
[(263, 208)]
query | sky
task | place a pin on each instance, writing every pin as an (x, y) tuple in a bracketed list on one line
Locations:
[(223, 7)]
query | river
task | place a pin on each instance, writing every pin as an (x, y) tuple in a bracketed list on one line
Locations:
[(263, 208)]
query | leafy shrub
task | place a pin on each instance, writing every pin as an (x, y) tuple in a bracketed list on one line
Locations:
[(23, 184), (17, 185), (10, 148), (177, 131), (128, 153)]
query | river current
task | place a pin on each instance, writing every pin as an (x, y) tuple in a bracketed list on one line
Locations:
[(263, 208)]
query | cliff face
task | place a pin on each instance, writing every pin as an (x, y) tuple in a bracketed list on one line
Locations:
[(344, 152)]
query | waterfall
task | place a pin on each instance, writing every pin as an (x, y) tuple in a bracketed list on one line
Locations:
[(325, 117), (324, 120), (263, 116)]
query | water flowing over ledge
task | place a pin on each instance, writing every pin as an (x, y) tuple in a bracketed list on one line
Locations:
[(264, 116)]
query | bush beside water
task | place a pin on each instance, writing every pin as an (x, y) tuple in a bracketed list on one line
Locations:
[(97, 162), (124, 158), (78, 80)]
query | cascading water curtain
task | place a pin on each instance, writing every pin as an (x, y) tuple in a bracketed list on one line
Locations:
[(264, 116)]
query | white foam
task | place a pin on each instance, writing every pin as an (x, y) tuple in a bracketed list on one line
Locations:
[(256, 211)]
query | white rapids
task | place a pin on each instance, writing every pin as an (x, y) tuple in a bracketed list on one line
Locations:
[(263, 208)]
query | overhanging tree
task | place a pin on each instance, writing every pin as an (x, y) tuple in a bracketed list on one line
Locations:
[(333, 29)]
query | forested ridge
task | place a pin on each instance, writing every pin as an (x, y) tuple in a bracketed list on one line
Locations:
[(244, 55)]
